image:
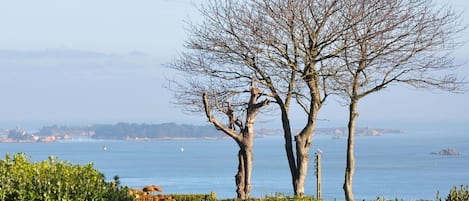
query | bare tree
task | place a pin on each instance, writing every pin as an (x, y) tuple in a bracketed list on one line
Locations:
[(393, 41), (307, 36), (222, 100), (241, 132), (285, 44)]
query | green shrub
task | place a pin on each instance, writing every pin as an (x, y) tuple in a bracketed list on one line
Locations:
[(461, 194), (384, 199), (278, 197), (20, 179), (117, 192), (193, 197), (283, 197)]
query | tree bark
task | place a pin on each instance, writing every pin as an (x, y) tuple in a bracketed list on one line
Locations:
[(303, 144), (240, 176), (299, 163), (245, 161), (243, 177), (350, 167), (248, 169), (289, 147), (302, 162)]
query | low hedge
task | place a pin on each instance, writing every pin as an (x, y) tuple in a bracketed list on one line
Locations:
[(21, 179), (192, 197)]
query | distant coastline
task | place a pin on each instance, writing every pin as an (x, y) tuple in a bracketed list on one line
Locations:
[(338, 132), (151, 132)]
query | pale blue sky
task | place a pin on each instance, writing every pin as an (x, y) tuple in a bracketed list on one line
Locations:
[(100, 61)]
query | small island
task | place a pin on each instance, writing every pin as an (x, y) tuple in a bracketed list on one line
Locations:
[(20, 135), (447, 152)]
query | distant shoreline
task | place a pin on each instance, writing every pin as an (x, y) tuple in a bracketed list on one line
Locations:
[(177, 138), (157, 132)]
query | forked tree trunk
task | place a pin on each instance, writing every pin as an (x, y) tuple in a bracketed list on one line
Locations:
[(244, 138), (303, 144), (350, 166)]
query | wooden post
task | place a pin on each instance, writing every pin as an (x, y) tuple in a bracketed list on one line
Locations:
[(318, 175)]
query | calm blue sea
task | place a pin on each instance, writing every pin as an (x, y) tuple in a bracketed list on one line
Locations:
[(390, 165)]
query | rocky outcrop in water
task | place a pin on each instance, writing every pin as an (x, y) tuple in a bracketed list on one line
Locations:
[(447, 152)]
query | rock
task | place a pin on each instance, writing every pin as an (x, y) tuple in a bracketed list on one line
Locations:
[(447, 152), (152, 188), (136, 193)]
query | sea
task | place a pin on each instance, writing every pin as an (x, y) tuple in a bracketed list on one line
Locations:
[(391, 165)]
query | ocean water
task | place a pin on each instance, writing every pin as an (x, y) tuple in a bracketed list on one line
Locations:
[(392, 165)]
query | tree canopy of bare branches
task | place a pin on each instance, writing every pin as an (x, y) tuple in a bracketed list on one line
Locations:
[(392, 42), (283, 44), (300, 52)]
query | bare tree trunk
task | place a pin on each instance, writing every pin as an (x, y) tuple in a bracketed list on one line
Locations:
[(289, 147), (243, 177), (303, 144), (248, 170), (302, 161), (299, 165), (246, 143), (240, 176), (350, 168)]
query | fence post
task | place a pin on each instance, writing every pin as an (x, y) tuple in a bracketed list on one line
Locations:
[(318, 174)]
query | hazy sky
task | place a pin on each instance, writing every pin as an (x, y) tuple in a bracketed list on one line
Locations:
[(101, 61)]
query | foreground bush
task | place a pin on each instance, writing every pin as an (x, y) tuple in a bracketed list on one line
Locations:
[(455, 194), (278, 197), (193, 197), (21, 179)]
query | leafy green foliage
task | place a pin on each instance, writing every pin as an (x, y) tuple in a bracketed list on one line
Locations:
[(193, 197), (384, 199), (278, 197), (21, 179), (283, 197), (461, 194), (117, 192)]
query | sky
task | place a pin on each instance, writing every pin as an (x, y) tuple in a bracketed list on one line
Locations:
[(86, 61)]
